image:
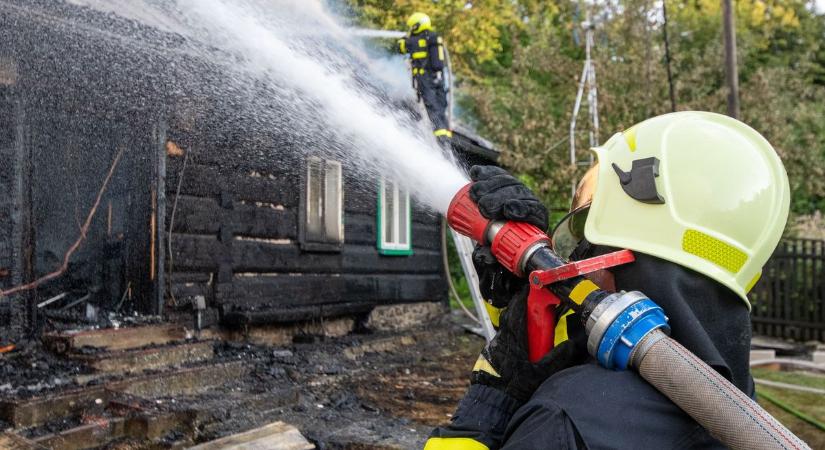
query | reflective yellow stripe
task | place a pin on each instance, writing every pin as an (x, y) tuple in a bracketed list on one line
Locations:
[(494, 313), (752, 282), (630, 137), (437, 443), (714, 250), (422, 43), (419, 55), (417, 71), (402, 45), (482, 365), (582, 290), (443, 132), (561, 329), (441, 53)]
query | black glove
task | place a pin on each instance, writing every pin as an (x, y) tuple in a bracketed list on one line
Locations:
[(500, 196), (497, 285), (504, 362)]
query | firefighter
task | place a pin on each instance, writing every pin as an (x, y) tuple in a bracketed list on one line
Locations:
[(702, 200), (426, 50)]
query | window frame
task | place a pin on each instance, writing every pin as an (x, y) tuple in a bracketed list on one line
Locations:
[(392, 248), (327, 243)]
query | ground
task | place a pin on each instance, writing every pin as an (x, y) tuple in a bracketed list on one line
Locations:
[(360, 391), (810, 404)]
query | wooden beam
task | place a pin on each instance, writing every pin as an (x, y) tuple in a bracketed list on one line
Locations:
[(133, 361), (116, 339), (181, 382), (275, 436), (317, 289), (91, 435), (11, 441), (38, 410)]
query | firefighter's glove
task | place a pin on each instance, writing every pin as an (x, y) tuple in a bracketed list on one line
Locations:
[(500, 196), (497, 285), (504, 363)]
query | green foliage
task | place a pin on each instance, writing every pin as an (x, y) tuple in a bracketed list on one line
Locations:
[(518, 64)]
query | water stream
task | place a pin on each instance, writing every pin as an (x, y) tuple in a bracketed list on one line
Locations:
[(297, 52)]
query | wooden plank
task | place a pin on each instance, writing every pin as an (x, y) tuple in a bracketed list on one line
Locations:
[(198, 180), (250, 256), (116, 338), (194, 215), (11, 441), (92, 435), (313, 289), (265, 222), (196, 252), (182, 381), (361, 229), (275, 436), (289, 314), (38, 410), (203, 253), (132, 361), (200, 215)]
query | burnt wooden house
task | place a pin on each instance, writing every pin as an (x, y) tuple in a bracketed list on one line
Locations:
[(196, 208)]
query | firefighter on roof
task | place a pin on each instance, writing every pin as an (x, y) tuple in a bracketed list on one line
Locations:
[(426, 50)]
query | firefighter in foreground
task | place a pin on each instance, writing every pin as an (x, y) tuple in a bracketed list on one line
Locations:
[(426, 50), (701, 199)]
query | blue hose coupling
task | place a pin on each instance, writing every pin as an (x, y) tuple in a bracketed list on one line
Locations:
[(618, 324)]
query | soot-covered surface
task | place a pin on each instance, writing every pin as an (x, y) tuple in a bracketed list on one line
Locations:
[(374, 391)]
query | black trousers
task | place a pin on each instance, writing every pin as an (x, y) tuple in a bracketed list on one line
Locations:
[(432, 93)]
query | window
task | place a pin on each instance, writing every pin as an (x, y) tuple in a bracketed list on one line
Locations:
[(323, 227), (394, 222)]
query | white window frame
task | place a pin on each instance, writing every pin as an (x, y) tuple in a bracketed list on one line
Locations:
[(400, 218), (329, 203)]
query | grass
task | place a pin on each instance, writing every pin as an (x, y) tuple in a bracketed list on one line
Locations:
[(808, 403)]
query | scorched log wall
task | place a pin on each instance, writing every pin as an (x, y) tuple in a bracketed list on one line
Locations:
[(235, 240)]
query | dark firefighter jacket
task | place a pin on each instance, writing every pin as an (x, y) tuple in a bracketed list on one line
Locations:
[(426, 51), (588, 407)]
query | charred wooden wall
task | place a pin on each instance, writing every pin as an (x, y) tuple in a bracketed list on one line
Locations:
[(235, 241), (13, 211)]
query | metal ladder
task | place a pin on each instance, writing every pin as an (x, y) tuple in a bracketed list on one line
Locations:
[(464, 247)]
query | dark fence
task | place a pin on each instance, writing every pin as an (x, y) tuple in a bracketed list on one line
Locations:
[(789, 300)]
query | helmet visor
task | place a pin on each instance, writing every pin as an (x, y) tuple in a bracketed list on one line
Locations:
[(569, 231)]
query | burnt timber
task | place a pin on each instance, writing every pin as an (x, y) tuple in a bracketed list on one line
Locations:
[(239, 217)]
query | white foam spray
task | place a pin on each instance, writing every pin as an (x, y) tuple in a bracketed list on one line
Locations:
[(269, 44)]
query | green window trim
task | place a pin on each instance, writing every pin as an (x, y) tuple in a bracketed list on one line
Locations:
[(392, 249)]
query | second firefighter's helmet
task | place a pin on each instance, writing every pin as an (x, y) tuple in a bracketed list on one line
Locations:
[(702, 190), (418, 22)]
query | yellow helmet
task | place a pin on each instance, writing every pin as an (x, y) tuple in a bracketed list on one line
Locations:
[(418, 22), (702, 190)]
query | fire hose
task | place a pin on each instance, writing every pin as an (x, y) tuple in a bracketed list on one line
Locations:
[(624, 329)]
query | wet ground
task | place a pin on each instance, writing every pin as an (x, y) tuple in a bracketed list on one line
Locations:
[(362, 391)]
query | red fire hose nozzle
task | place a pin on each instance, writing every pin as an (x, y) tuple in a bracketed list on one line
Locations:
[(512, 243)]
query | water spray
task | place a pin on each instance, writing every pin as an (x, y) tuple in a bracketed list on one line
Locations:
[(624, 329)]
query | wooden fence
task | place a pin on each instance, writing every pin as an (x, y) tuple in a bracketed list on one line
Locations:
[(789, 300)]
